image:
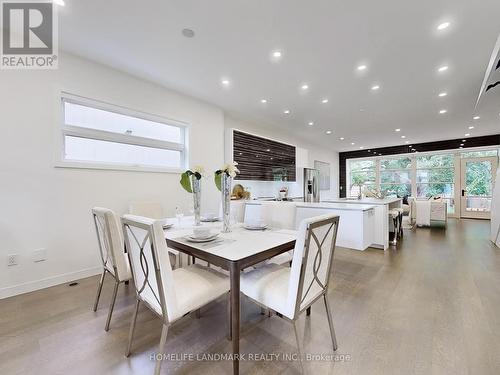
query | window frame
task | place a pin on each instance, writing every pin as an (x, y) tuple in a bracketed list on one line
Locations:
[(65, 130), (457, 154)]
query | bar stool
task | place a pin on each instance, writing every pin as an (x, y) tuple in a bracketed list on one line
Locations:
[(401, 212), (394, 214)]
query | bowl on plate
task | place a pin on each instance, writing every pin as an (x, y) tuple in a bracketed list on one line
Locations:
[(201, 232)]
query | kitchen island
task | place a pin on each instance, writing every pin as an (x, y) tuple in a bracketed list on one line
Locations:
[(382, 225), (356, 221)]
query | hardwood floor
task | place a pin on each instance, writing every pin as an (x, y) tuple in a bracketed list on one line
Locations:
[(429, 306)]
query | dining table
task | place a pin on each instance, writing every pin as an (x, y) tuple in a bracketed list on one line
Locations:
[(234, 251)]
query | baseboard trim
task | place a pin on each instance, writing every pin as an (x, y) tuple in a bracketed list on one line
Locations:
[(32, 286)]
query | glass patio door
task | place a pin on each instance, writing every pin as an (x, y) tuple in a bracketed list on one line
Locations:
[(477, 179)]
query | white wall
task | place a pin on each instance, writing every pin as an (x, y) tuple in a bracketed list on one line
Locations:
[(47, 207), (306, 155)]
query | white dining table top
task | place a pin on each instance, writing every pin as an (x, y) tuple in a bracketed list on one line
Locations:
[(240, 243)]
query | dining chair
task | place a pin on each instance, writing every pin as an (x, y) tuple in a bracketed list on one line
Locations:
[(289, 291), (283, 217), (153, 210), (168, 293), (150, 209), (112, 252)]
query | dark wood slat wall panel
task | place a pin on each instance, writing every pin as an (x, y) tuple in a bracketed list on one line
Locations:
[(489, 140), (260, 158)]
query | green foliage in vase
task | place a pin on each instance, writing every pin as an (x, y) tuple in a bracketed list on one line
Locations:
[(186, 177)]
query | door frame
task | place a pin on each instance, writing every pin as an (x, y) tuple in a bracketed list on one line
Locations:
[(461, 190)]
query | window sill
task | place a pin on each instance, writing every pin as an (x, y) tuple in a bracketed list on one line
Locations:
[(112, 167)]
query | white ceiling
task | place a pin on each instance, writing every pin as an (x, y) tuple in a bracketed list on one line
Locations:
[(322, 41)]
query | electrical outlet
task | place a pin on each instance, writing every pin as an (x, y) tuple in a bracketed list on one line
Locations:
[(39, 255), (12, 260)]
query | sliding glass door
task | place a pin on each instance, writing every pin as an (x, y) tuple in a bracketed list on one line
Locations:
[(477, 179)]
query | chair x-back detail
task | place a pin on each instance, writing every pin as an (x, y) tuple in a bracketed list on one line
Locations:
[(171, 294), (112, 253), (290, 291)]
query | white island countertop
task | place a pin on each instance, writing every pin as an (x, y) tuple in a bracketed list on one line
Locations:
[(372, 201), (324, 205)]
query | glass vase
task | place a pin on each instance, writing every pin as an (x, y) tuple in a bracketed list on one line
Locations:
[(226, 202), (196, 184)]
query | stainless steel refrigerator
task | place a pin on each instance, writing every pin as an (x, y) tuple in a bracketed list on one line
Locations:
[(311, 185)]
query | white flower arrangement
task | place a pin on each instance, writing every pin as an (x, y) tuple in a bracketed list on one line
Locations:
[(229, 169)]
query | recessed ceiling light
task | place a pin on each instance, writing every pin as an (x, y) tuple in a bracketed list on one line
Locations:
[(310, 123), (403, 136), (376, 87), (476, 118), (263, 101), (467, 134), (304, 86), (461, 144), (352, 143), (324, 101), (225, 82), (407, 142), (286, 111), (471, 127), (59, 2), (397, 130), (380, 154), (441, 94), (463, 140), (443, 68), (361, 147), (188, 33), (268, 150), (443, 25), (328, 132), (361, 67), (277, 54), (443, 111), (341, 138)]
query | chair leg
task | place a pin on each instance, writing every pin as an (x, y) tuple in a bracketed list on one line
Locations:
[(132, 328), (401, 225), (299, 345), (330, 323), (99, 289), (161, 349), (112, 305)]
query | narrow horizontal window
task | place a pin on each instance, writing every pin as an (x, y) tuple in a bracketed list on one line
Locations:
[(97, 135), (97, 151)]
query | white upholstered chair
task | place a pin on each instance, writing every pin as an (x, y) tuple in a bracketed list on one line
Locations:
[(112, 252), (283, 217), (168, 293), (289, 291), (153, 210), (278, 215)]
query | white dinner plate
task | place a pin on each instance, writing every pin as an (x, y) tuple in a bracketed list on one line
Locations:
[(204, 239), (209, 219), (254, 227)]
